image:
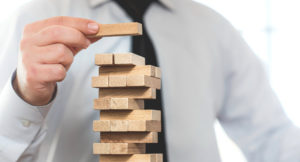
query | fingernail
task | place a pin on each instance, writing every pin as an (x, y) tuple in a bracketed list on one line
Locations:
[(93, 27)]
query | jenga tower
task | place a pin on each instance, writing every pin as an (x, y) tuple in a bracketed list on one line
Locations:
[(125, 127)]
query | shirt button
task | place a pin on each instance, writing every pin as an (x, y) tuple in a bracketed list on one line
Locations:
[(26, 123)]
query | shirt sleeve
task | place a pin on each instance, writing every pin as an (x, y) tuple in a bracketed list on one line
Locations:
[(252, 115), (20, 122)]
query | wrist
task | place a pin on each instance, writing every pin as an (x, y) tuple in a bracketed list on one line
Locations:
[(33, 98)]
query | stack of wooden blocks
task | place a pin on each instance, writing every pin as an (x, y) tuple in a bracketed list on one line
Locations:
[(125, 127)]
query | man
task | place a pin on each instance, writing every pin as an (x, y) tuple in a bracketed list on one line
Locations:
[(208, 73)]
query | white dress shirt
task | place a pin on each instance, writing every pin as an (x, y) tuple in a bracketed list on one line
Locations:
[(208, 72)]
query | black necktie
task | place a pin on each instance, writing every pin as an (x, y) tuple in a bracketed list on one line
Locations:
[(142, 45)]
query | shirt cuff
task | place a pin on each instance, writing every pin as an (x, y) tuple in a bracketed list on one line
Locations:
[(19, 122), (43, 109)]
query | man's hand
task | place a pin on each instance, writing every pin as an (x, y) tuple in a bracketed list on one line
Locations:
[(47, 49)]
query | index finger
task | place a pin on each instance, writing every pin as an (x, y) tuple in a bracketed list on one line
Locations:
[(86, 26)]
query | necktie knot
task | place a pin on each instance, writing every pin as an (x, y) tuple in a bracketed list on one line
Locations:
[(136, 9)]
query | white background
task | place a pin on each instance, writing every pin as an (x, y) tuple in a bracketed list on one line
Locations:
[(271, 29)]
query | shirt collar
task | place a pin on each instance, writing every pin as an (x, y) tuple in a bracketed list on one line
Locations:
[(166, 3)]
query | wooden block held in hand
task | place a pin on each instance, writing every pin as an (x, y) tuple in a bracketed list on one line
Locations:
[(118, 104), (148, 70), (119, 148), (104, 59), (128, 137), (132, 158), (143, 81), (100, 81), (130, 115), (136, 93), (122, 29), (127, 126), (117, 81), (128, 59)]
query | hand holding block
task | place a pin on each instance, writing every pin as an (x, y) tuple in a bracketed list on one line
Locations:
[(118, 104), (128, 137), (132, 158), (122, 29), (119, 59), (130, 115), (119, 148), (127, 126)]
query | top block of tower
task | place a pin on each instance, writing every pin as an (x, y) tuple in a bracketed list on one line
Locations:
[(119, 59), (122, 29)]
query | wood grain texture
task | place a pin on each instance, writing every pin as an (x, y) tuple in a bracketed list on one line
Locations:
[(126, 81), (148, 70), (119, 59), (119, 148), (100, 81), (143, 81), (132, 158), (127, 126), (130, 115), (128, 59), (117, 81), (122, 29), (128, 137), (104, 59), (136, 93), (118, 104)]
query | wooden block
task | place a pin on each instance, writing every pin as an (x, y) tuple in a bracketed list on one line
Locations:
[(119, 59), (136, 93), (122, 29), (143, 81), (126, 81), (128, 137), (102, 125), (148, 70), (132, 158), (140, 125), (128, 59), (157, 72), (127, 126), (117, 81), (100, 81), (130, 115), (104, 59), (104, 148), (102, 103), (118, 125), (119, 148), (118, 104)]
